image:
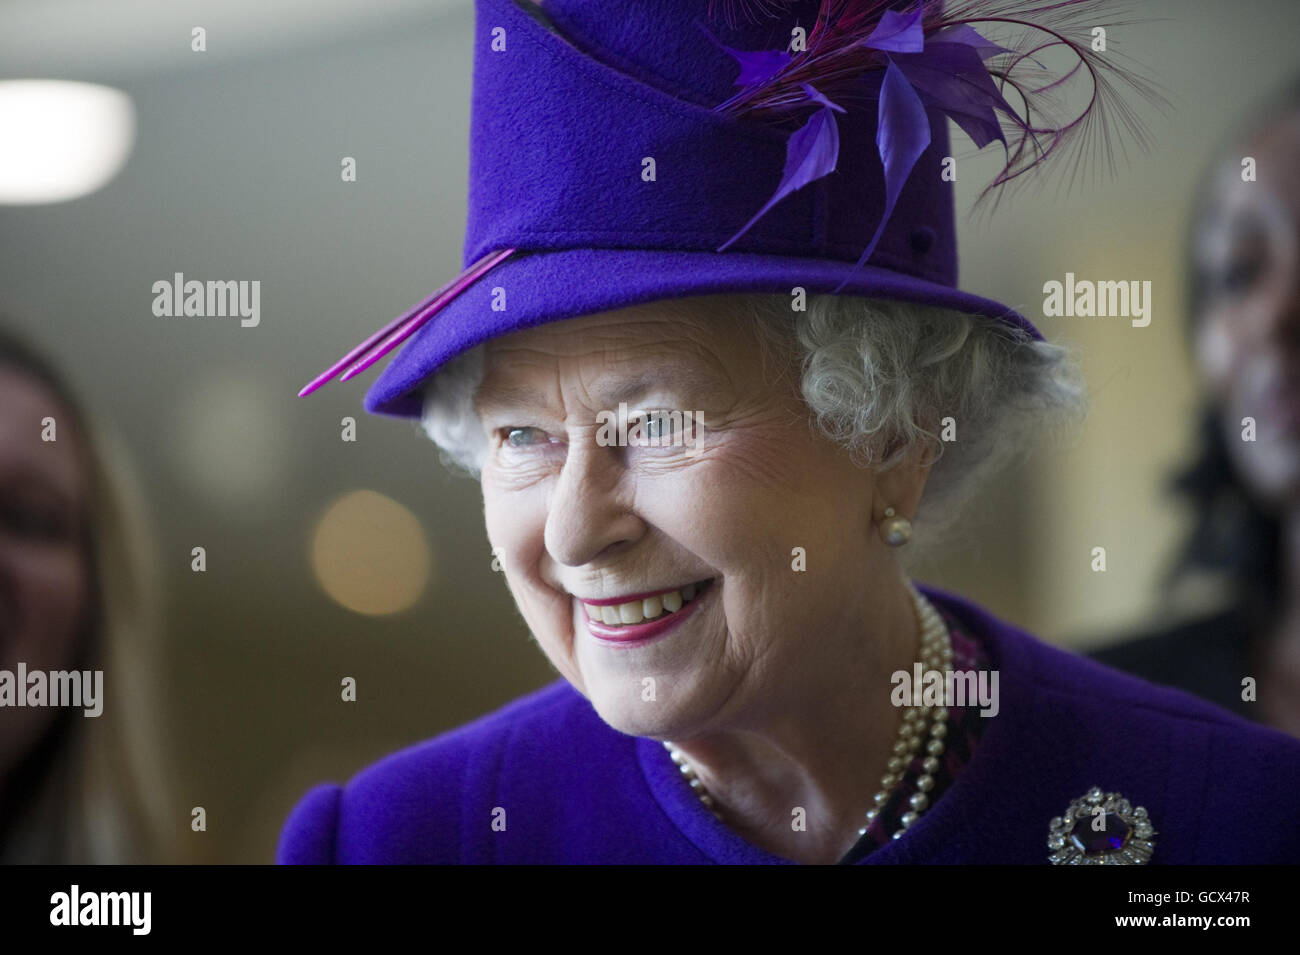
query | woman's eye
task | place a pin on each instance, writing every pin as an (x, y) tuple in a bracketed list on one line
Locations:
[(528, 437), (517, 437), (658, 428)]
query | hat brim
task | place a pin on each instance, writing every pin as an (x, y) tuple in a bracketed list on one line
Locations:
[(542, 287)]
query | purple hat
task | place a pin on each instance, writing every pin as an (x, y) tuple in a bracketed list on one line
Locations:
[(624, 151)]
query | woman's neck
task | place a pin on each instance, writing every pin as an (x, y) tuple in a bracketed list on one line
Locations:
[(797, 778)]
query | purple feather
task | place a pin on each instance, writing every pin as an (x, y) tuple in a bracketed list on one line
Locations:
[(898, 33), (902, 135), (951, 77), (967, 34), (931, 57), (756, 66), (811, 152), (818, 97)]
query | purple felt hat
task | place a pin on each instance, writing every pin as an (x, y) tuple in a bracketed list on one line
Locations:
[(624, 151)]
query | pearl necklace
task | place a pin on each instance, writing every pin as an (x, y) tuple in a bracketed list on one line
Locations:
[(936, 654)]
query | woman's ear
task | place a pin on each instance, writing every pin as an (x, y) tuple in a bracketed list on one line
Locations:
[(901, 486)]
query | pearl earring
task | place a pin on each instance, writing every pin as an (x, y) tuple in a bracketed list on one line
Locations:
[(896, 531)]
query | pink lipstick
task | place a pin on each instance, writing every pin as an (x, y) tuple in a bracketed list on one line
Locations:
[(638, 634)]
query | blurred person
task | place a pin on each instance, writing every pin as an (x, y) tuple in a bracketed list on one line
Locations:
[(76, 594), (1243, 260), (703, 495)]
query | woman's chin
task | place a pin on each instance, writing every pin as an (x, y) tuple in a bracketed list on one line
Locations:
[(632, 708), (623, 709), (628, 713)]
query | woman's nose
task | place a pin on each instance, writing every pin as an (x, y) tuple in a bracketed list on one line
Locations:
[(590, 514)]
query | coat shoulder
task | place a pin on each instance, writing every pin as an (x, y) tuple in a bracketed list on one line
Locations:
[(1066, 676), (406, 807), (1079, 685), (1225, 787)]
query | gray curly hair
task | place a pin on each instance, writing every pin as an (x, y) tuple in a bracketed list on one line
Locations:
[(877, 376)]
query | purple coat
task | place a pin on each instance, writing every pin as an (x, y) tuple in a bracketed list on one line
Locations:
[(575, 790)]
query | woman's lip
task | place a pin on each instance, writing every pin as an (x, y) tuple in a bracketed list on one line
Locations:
[(615, 601), (638, 633)]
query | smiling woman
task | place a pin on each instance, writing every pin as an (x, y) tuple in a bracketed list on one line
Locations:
[(812, 419), (729, 615)]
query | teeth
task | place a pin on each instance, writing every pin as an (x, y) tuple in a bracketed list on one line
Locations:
[(635, 611)]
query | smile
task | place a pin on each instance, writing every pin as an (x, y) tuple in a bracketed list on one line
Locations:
[(644, 615)]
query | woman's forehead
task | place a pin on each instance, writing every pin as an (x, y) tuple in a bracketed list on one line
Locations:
[(618, 356), (621, 341)]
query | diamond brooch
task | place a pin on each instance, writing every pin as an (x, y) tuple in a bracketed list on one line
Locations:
[(1101, 828)]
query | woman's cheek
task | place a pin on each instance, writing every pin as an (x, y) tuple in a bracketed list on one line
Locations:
[(516, 529), (509, 502)]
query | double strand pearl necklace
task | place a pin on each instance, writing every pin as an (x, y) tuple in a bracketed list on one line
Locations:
[(921, 725)]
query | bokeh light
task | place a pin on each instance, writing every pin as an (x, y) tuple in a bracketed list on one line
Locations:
[(370, 554), (62, 140)]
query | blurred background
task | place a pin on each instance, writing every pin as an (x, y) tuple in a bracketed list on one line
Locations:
[(328, 558)]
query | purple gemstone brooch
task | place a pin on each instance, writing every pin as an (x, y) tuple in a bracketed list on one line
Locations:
[(1101, 828)]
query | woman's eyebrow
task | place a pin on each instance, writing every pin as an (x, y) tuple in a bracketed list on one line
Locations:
[(610, 390), (674, 378), (506, 397)]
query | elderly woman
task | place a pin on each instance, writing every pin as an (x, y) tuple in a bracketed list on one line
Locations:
[(701, 466)]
